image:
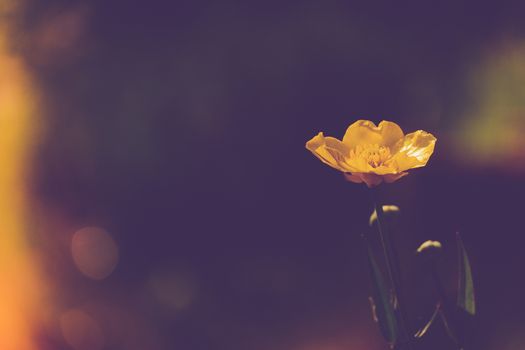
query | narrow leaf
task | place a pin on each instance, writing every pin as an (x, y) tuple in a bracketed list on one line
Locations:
[(466, 299), (420, 333), (448, 328), (383, 310)]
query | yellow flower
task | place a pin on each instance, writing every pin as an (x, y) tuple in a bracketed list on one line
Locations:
[(373, 154)]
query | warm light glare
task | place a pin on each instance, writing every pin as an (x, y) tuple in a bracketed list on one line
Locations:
[(491, 131), (355, 338), (20, 288)]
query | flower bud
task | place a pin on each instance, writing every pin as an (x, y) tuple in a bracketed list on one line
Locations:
[(388, 210), (430, 249)]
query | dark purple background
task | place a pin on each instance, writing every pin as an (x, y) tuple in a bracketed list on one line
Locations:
[(180, 127)]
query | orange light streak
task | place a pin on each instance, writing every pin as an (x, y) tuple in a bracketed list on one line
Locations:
[(20, 286)]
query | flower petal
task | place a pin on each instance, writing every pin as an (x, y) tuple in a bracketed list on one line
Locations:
[(329, 150), (353, 178), (389, 178), (335, 144), (414, 150), (358, 164), (384, 170), (365, 132), (371, 180)]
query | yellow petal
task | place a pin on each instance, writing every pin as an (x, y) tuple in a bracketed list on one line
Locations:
[(414, 150), (361, 165), (384, 170), (365, 132), (335, 144), (317, 146), (329, 150), (357, 164)]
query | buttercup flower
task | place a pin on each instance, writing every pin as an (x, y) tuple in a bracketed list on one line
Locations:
[(373, 154)]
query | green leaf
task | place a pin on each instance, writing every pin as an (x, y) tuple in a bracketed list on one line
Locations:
[(381, 305), (466, 299), (421, 332)]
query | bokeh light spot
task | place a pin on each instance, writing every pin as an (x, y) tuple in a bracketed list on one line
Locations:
[(173, 289), (491, 131), (81, 331), (95, 252)]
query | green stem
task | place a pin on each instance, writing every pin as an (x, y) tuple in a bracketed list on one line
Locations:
[(444, 303), (392, 266), (437, 284)]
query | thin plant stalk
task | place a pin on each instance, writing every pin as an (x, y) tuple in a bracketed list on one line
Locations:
[(393, 272), (443, 301), (437, 283)]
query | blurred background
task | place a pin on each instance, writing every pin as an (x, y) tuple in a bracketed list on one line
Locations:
[(155, 192)]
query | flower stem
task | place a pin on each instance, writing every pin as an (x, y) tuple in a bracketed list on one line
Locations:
[(392, 265), (437, 283), (444, 303)]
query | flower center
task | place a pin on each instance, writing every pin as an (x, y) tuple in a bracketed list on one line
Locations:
[(374, 155)]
